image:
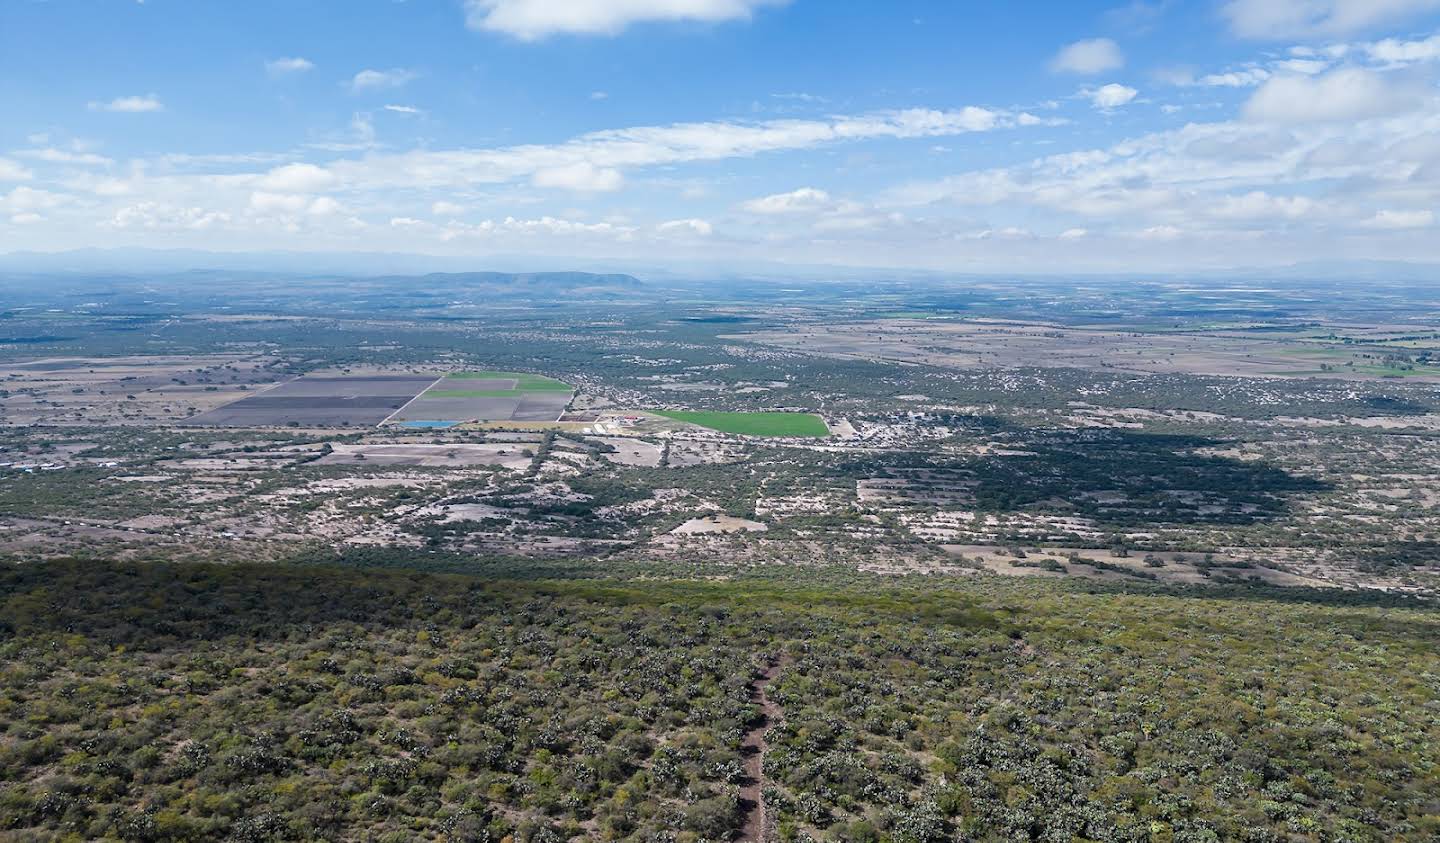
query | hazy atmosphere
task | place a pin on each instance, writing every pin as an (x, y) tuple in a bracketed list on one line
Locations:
[(1008, 137)]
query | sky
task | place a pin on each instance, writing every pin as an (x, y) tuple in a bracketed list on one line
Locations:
[(996, 136)]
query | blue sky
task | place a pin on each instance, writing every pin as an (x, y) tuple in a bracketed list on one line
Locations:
[(964, 136)]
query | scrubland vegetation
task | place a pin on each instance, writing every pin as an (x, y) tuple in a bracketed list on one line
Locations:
[(194, 702)]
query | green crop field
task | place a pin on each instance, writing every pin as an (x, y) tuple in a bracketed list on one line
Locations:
[(753, 424), (524, 382), (479, 393)]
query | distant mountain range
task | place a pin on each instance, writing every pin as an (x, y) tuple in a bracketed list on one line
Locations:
[(518, 280), (558, 271)]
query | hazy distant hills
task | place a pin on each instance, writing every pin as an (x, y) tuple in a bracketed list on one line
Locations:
[(517, 281), (557, 271), (281, 285)]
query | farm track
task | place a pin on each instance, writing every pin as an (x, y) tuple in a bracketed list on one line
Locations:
[(756, 826)]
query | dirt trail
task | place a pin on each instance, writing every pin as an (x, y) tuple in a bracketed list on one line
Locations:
[(752, 798)]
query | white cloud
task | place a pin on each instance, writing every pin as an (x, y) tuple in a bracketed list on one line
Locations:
[(61, 156), (1312, 18), (546, 226), (403, 109), (1159, 232), (1395, 52), (447, 209), (1246, 78), (1400, 220), (31, 199), (285, 66), (1010, 232), (382, 80), (297, 178), (1221, 179), (694, 227), (324, 206), (1257, 145), (1305, 67), (129, 105), (1096, 55), (163, 216), (1111, 96), (28, 218), (596, 161), (1074, 234), (1259, 205), (1350, 93), (530, 20), (13, 171), (102, 185), (266, 202), (599, 95), (801, 201), (581, 176)]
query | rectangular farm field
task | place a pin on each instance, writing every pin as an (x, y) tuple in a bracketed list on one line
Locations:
[(320, 401)]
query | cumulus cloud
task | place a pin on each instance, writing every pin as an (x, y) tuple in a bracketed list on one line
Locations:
[(1350, 93), (1306, 67), (164, 216), (581, 176), (546, 226), (531, 20), (1259, 205), (1112, 96), (297, 178), (129, 105), (1271, 19), (802, 200), (1096, 55), (266, 202), (1220, 179), (1400, 220), (323, 206), (1159, 232), (51, 155), (1246, 78), (1392, 51), (447, 209), (381, 80), (693, 227), (31, 199), (13, 171), (286, 66)]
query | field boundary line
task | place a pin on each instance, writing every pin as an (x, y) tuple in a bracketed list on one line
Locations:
[(402, 407), (245, 397)]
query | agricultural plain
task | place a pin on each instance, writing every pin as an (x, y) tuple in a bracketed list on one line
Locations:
[(630, 569)]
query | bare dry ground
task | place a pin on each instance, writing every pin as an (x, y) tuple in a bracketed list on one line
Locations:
[(992, 343), (508, 455), (719, 524), (136, 390)]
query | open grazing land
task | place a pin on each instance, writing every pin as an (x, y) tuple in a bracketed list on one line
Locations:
[(900, 561)]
